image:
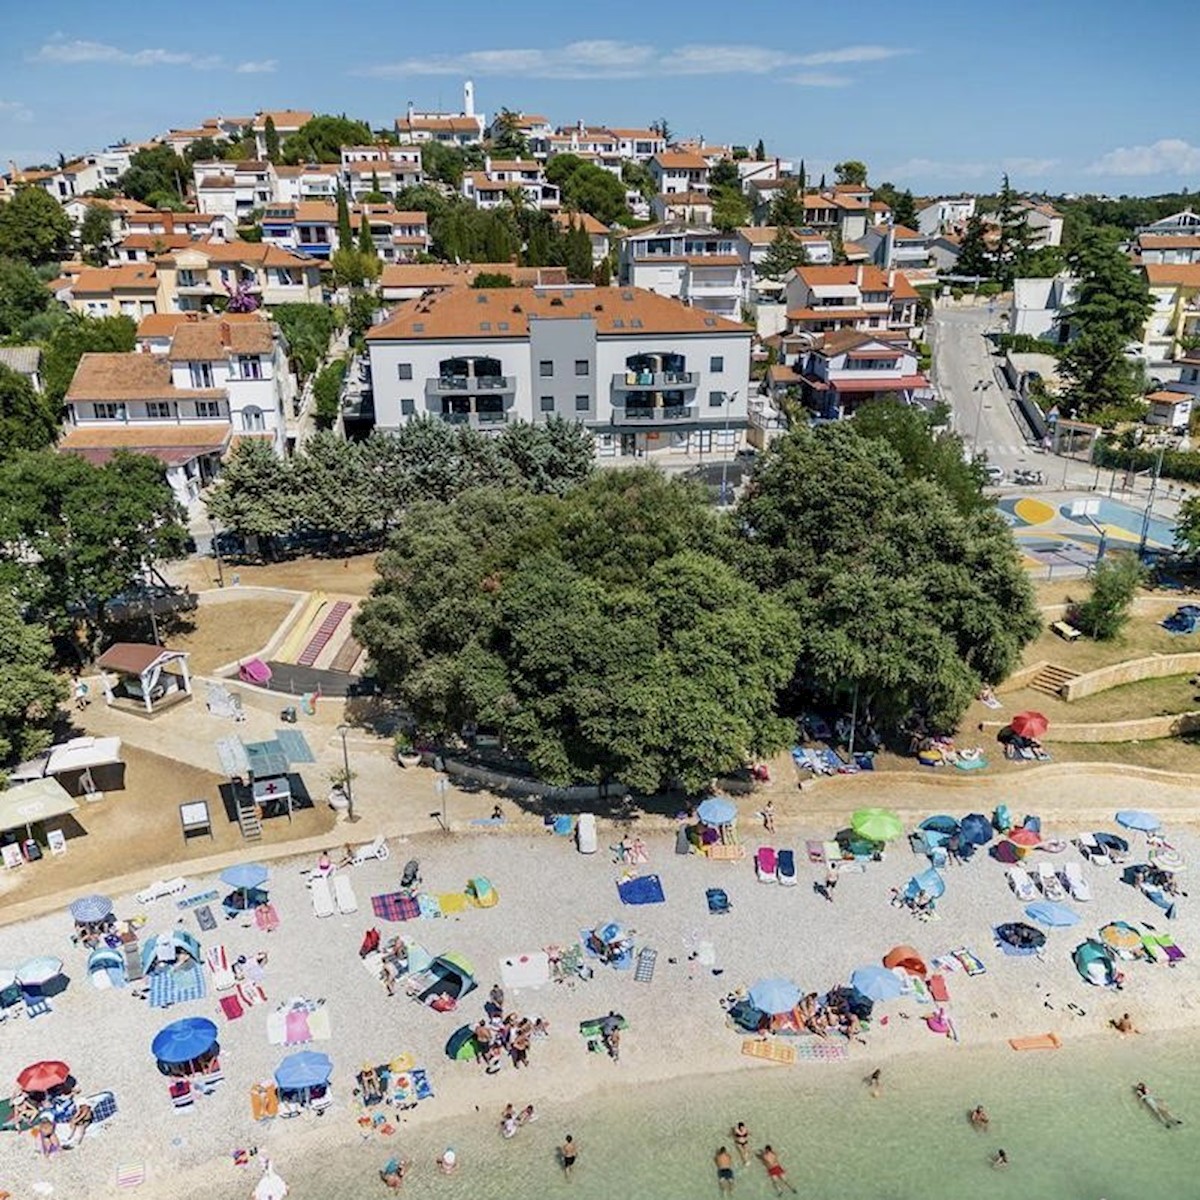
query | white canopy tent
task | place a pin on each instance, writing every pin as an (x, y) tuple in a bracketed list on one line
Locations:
[(28, 803)]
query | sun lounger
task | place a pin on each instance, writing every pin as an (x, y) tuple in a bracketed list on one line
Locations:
[(1092, 850), (160, 888), (343, 891), (725, 852), (718, 900), (1173, 952), (1076, 882), (1021, 884), (217, 959), (1049, 882), (766, 864), (378, 849), (643, 971), (322, 896), (785, 868)]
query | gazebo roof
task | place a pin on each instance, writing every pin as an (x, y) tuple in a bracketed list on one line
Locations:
[(136, 658)]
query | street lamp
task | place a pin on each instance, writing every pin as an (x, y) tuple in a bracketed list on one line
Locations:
[(982, 388), (729, 399), (216, 544), (343, 730)]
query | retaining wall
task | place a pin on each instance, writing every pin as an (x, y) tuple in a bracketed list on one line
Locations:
[(1157, 666)]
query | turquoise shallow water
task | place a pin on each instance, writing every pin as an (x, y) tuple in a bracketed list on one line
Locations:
[(1068, 1120)]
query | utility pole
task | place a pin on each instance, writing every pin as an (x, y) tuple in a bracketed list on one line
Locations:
[(729, 399), (1150, 503)]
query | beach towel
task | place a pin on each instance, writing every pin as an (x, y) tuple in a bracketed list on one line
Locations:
[(769, 1051), (970, 963), (169, 987), (428, 906), (525, 970), (487, 821), (205, 919), (251, 994), (452, 902), (192, 901), (266, 918), (131, 1175), (821, 1051), (725, 852), (645, 889), (564, 825), (938, 989), (395, 906), (231, 1006)]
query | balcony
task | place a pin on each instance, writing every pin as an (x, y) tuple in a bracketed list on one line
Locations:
[(638, 414), (457, 385), (654, 381), (475, 420)]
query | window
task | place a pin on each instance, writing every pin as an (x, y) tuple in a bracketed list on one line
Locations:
[(583, 403), (109, 412), (249, 367), (716, 399), (252, 419), (716, 364), (581, 366), (546, 368), (159, 410), (547, 404), (208, 408), (404, 370), (408, 408), (201, 373)]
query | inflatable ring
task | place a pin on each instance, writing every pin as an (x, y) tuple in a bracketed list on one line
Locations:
[(970, 755)]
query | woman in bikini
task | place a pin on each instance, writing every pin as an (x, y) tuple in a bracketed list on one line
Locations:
[(741, 1140)]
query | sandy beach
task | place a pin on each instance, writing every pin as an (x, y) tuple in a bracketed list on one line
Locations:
[(548, 893)]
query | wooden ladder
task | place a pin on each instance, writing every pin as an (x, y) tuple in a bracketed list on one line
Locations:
[(248, 822)]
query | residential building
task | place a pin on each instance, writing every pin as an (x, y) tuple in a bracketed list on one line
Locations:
[(286, 121), (74, 179), (1038, 307), (190, 280), (385, 169), (26, 361), (692, 263), (639, 145), (232, 189), (535, 128), (146, 247), (398, 236), (759, 169), (410, 281), (1175, 319), (120, 209), (897, 246), (949, 214), (865, 298), (1171, 249), (307, 227), (1045, 224), (1169, 409), (1185, 224), (195, 225), (454, 129), (598, 233), (753, 241), (679, 171), (593, 143), (648, 375), (694, 208), (305, 181), (493, 186), (131, 290), (845, 370)]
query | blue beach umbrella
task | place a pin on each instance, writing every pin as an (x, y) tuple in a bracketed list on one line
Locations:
[(976, 829), (1135, 818), (1047, 912), (87, 910), (307, 1069), (245, 876), (929, 882), (716, 810), (774, 996), (876, 983), (184, 1040)]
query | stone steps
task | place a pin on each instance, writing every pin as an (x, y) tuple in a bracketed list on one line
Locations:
[(1051, 679)]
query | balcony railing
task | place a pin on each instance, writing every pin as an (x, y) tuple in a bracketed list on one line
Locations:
[(644, 414), (476, 420), (633, 381), (458, 384)]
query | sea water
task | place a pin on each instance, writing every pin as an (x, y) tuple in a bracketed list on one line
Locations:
[(1068, 1120)]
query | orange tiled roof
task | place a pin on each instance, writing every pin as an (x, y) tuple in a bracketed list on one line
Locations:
[(283, 119), (133, 376), (873, 279), (680, 160), (212, 341), (103, 281), (1172, 274)]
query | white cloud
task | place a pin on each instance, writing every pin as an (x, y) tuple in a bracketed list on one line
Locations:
[(262, 66), (1167, 156), (604, 58), (14, 110), (72, 51), (823, 79), (933, 168)]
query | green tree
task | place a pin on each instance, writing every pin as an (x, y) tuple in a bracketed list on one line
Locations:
[(904, 210), (156, 173), (578, 254), (785, 253), (1187, 527), (1105, 613), (95, 234), (30, 690), (636, 176), (23, 296), (254, 496), (1015, 238), (974, 256), (75, 337), (553, 457), (491, 279), (366, 243), (307, 330), (731, 209), (27, 421), (662, 129), (327, 392), (442, 163), (787, 207), (592, 189), (352, 268), (34, 228), (724, 175), (851, 171), (360, 314), (344, 232), (271, 139), (509, 141), (760, 151), (322, 138), (73, 535)]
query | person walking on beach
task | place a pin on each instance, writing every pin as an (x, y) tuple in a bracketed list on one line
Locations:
[(568, 1152), (873, 1082), (741, 1139), (724, 1171), (768, 816), (775, 1172)]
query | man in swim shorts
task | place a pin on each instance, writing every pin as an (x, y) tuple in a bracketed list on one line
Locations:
[(775, 1172), (569, 1151), (724, 1171)]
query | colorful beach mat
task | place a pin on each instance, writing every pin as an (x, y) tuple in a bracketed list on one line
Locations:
[(173, 986), (395, 906), (192, 901), (645, 889), (821, 1051), (131, 1175), (769, 1051)]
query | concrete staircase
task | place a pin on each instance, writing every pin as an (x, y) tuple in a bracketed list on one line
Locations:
[(1051, 678)]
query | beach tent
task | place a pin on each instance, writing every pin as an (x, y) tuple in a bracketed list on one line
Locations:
[(451, 975), (1021, 938), (907, 959), (944, 826), (481, 892), (1094, 962), (160, 951), (975, 829), (929, 882), (23, 806), (462, 1046), (36, 973), (876, 983), (106, 967)]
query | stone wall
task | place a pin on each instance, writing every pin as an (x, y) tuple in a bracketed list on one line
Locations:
[(1158, 666)]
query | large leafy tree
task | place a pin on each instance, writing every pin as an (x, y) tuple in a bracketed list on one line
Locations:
[(785, 253), (974, 255), (321, 139), (307, 329), (850, 171), (156, 176), (30, 691), (75, 337), (897, 591), (23, 296), (731, 209), (255, 494), (27, 421), (73, 535), (95, 233), (34, 228), (509, 141), (1112, 302), (787, 207)]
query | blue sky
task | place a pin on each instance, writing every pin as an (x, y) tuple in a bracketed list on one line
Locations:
[(933, 95)]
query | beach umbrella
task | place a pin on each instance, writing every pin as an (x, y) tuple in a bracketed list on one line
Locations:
[(876, 983), (87, 910), (1120, 935), (184, 1040), (976, 829), (39, 971), (1135, 818), (43, 1076), (271, 1186), (929, 882), (1048, 912), (1029, 725), (940, 824), (1025, 838), (610, 932), (306, 1069), (244, 876), (716, 810), (877, 824), (774, 996)]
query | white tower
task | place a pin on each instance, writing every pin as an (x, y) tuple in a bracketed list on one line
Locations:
[(468, 99)]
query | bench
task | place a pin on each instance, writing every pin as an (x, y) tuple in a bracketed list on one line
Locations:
[(1066, 631)]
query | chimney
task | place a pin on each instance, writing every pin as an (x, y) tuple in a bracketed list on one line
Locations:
[(411, 110), (226, 334), (891, 280), (858, 278)]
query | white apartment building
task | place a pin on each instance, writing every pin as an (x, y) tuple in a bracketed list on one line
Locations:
[(1170, 249), (945, 215), (679, 171), (287, 121), (384, 168), (639, 145), (692, 263), (491, 187), (233, 189), (307, 181), (752, 242), (648, 375), (1039, 306), (454, 129), (865, 298)]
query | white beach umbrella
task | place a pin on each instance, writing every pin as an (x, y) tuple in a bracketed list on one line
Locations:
[(271, 1186)]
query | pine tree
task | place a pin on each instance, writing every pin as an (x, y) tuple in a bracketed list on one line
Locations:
[(366, 243), (602, 276), (760, 151), (1015, 242), (904, 211), (375, 183), (783, 254), (802, 181), (787, 208), (579, 254), (271, 139), (345, 236), (974, 257)]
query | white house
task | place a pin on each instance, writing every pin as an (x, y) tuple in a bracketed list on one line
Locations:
[(305, 181), (648, 375), (949, 214), (1172, 249), (1169, 409), (828, 299), (679, 171), (1038, 306), (639, 145), (1045, 224), (753, 241), (692, 263), (492, 187), (693, 208), (286, 121), (232, 189), (454, 129)]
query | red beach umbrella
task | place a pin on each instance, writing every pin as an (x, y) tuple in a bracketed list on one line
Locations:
[(1025, 837), (1029, 725), (42, 1076)]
